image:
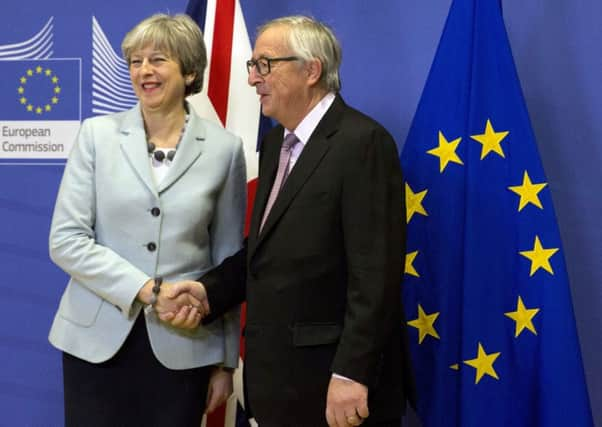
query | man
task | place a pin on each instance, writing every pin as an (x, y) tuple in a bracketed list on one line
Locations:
[(325, 335)]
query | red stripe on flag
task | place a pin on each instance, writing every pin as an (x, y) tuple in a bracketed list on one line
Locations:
[(251, 190), (218, 91), (221, 57), (217, 418)]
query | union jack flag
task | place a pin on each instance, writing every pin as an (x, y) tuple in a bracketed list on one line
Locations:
[(227, 99)]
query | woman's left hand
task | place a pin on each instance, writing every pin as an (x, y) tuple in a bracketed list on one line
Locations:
[(220, 388)]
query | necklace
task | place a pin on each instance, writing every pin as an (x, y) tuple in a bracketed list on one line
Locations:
[(159, 155)]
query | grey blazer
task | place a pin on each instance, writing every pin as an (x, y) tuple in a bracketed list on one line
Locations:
[(109, 236)]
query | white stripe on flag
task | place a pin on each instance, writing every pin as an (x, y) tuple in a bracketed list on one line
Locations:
[(243, 103)]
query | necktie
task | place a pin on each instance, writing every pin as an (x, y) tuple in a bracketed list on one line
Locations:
[(283, 170)]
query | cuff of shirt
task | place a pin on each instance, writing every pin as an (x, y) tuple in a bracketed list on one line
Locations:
[(341, 377)]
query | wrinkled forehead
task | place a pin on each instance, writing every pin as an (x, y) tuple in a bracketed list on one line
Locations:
[(273, 41)]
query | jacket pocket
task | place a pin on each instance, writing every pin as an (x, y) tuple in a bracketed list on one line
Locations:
[(79, 305), (309, 334)]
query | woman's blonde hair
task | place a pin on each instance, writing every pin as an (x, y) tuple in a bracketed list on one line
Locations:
[(179, 37)]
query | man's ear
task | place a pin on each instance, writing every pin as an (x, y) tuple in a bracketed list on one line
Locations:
[(314, 71)]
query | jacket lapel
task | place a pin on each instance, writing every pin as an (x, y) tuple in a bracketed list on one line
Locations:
[(268, 165), (315, 149), (189, 150), (133, 147)]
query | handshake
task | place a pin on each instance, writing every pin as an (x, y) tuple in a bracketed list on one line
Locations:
[(179, 304)]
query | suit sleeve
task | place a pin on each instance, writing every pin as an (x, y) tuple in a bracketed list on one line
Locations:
[(374, 235), (225, 284), (227, 228), (72, 241)]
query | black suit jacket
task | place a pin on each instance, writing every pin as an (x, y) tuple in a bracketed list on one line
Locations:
[(323, 277)]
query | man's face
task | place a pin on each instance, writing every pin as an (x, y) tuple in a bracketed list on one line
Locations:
[(282, 91)]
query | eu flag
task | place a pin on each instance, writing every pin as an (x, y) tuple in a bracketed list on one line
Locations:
[(40, 89), (487, 296)]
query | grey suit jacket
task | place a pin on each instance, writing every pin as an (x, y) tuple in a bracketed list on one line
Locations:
[(106, 235)]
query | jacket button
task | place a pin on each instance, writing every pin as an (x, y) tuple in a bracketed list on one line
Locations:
[(155, 211), (151, 246)]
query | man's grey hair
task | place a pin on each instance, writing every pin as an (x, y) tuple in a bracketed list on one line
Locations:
[(310, 39)]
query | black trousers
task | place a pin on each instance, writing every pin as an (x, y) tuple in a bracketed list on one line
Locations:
[(133, 389)]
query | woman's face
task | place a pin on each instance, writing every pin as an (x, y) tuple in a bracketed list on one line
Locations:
[(157, 80)]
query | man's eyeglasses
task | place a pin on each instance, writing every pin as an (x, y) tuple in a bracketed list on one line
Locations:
[(263, 65)]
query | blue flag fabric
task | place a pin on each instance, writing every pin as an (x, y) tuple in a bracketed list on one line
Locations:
[(197, 9), (487, 297)]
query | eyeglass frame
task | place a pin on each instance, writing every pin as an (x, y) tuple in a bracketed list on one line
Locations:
[(254, 63)]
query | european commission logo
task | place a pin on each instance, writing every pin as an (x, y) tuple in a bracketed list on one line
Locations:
[(41, 96), (40, 100), (40, 89)]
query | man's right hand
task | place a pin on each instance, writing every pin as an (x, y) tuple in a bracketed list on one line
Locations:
[(182, 304)]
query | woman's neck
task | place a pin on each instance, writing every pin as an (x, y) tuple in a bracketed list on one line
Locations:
[(164, 130)]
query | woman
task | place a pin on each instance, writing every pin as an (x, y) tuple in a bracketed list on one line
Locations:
[(150, 197)]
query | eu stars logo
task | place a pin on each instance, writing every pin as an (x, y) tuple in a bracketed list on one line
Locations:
[(46, 89), (47, 95)]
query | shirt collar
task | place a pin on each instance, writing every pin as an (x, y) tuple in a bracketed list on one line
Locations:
[(310, 122)]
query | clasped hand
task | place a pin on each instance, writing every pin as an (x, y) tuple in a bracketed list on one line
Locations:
[(182, 304)]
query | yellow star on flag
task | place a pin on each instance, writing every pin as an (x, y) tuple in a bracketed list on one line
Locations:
[(39, 70), (424, 324), (29, 72), (523, 317), (20, 90), (57, 89), (23, 100), (483, 363), (414, 203), (490, 140), (528, 192), (47, 107), (38, 110), (48, 72), (540, 257), (409, 269), (446, 151), (23, 80), (55, 80), (54, 100), (29, 107)]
